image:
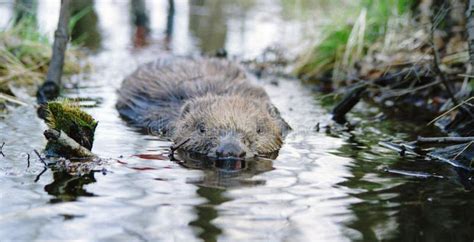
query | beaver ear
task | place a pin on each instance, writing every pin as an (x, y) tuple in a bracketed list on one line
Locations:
[(185, 109), (275, 113)]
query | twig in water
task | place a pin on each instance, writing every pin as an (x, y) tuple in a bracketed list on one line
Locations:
[(41, 173), (317, 128), (1, 149), (28, 160), (402, 149), (411, 173), (44, 163), (462, 151), (41, 158), (450, 110), (409, 150), (443, 140)]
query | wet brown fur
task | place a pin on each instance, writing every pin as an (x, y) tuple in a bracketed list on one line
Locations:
[(203, 100)]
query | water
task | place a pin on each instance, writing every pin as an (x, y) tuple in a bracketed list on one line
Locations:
[(326, 185)]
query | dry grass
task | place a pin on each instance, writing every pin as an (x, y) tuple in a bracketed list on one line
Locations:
[(24, 57)]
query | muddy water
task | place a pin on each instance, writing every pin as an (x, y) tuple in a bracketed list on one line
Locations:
[(326, 185)]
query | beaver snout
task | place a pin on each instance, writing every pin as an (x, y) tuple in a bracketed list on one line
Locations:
[(230, 150)]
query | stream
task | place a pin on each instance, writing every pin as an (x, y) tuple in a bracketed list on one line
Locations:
[(337, 185)]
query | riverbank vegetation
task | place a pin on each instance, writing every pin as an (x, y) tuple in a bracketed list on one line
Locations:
[(402, 55), (345, 41), (25, 54), (400, 51)]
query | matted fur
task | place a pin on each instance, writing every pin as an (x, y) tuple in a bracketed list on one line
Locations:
[(178, 97)]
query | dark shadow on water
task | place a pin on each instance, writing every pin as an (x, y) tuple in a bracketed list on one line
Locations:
[(66, 187), (206, 212)]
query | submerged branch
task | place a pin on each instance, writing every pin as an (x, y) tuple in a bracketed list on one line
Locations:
[(347, 103), (443, 140), (409, 149), (1, 149), (73, 148), (450, 110)]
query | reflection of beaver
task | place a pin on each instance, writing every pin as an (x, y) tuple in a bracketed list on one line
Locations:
[(206, 105)]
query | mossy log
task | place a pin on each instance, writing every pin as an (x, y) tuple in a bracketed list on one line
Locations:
[(60, 143), (71, 130), (68, 117)]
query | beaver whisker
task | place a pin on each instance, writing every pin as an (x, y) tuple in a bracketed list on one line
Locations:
[(174, 148), (263, 158)]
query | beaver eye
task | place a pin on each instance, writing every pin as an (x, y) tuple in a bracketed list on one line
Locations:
[(201, 128), (259, 131)]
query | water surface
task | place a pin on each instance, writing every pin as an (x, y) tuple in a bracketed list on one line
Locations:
[(324, 185)]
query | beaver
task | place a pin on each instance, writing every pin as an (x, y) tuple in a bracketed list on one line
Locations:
[(204, 105)]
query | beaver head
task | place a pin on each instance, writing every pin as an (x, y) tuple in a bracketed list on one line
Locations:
[(229, 127)]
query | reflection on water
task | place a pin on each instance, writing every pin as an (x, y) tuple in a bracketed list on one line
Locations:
[(66, 187), (225, 173), (25, 9), (170, 21), (141, 22), (323, 185), (84, 28), (207, 24), (206, 212)]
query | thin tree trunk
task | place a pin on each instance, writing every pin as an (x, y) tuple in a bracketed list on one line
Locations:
[(50, 89)]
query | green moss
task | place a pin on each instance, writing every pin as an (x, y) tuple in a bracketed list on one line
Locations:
[(68, 117), (63, 113)]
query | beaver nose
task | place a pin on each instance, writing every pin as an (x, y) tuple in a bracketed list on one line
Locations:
[(230, 150)]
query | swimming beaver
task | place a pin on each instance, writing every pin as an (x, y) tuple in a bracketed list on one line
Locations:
[(204, 105)]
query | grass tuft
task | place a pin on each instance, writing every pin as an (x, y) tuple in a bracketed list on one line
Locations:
[(343, 44), (25, 55)]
